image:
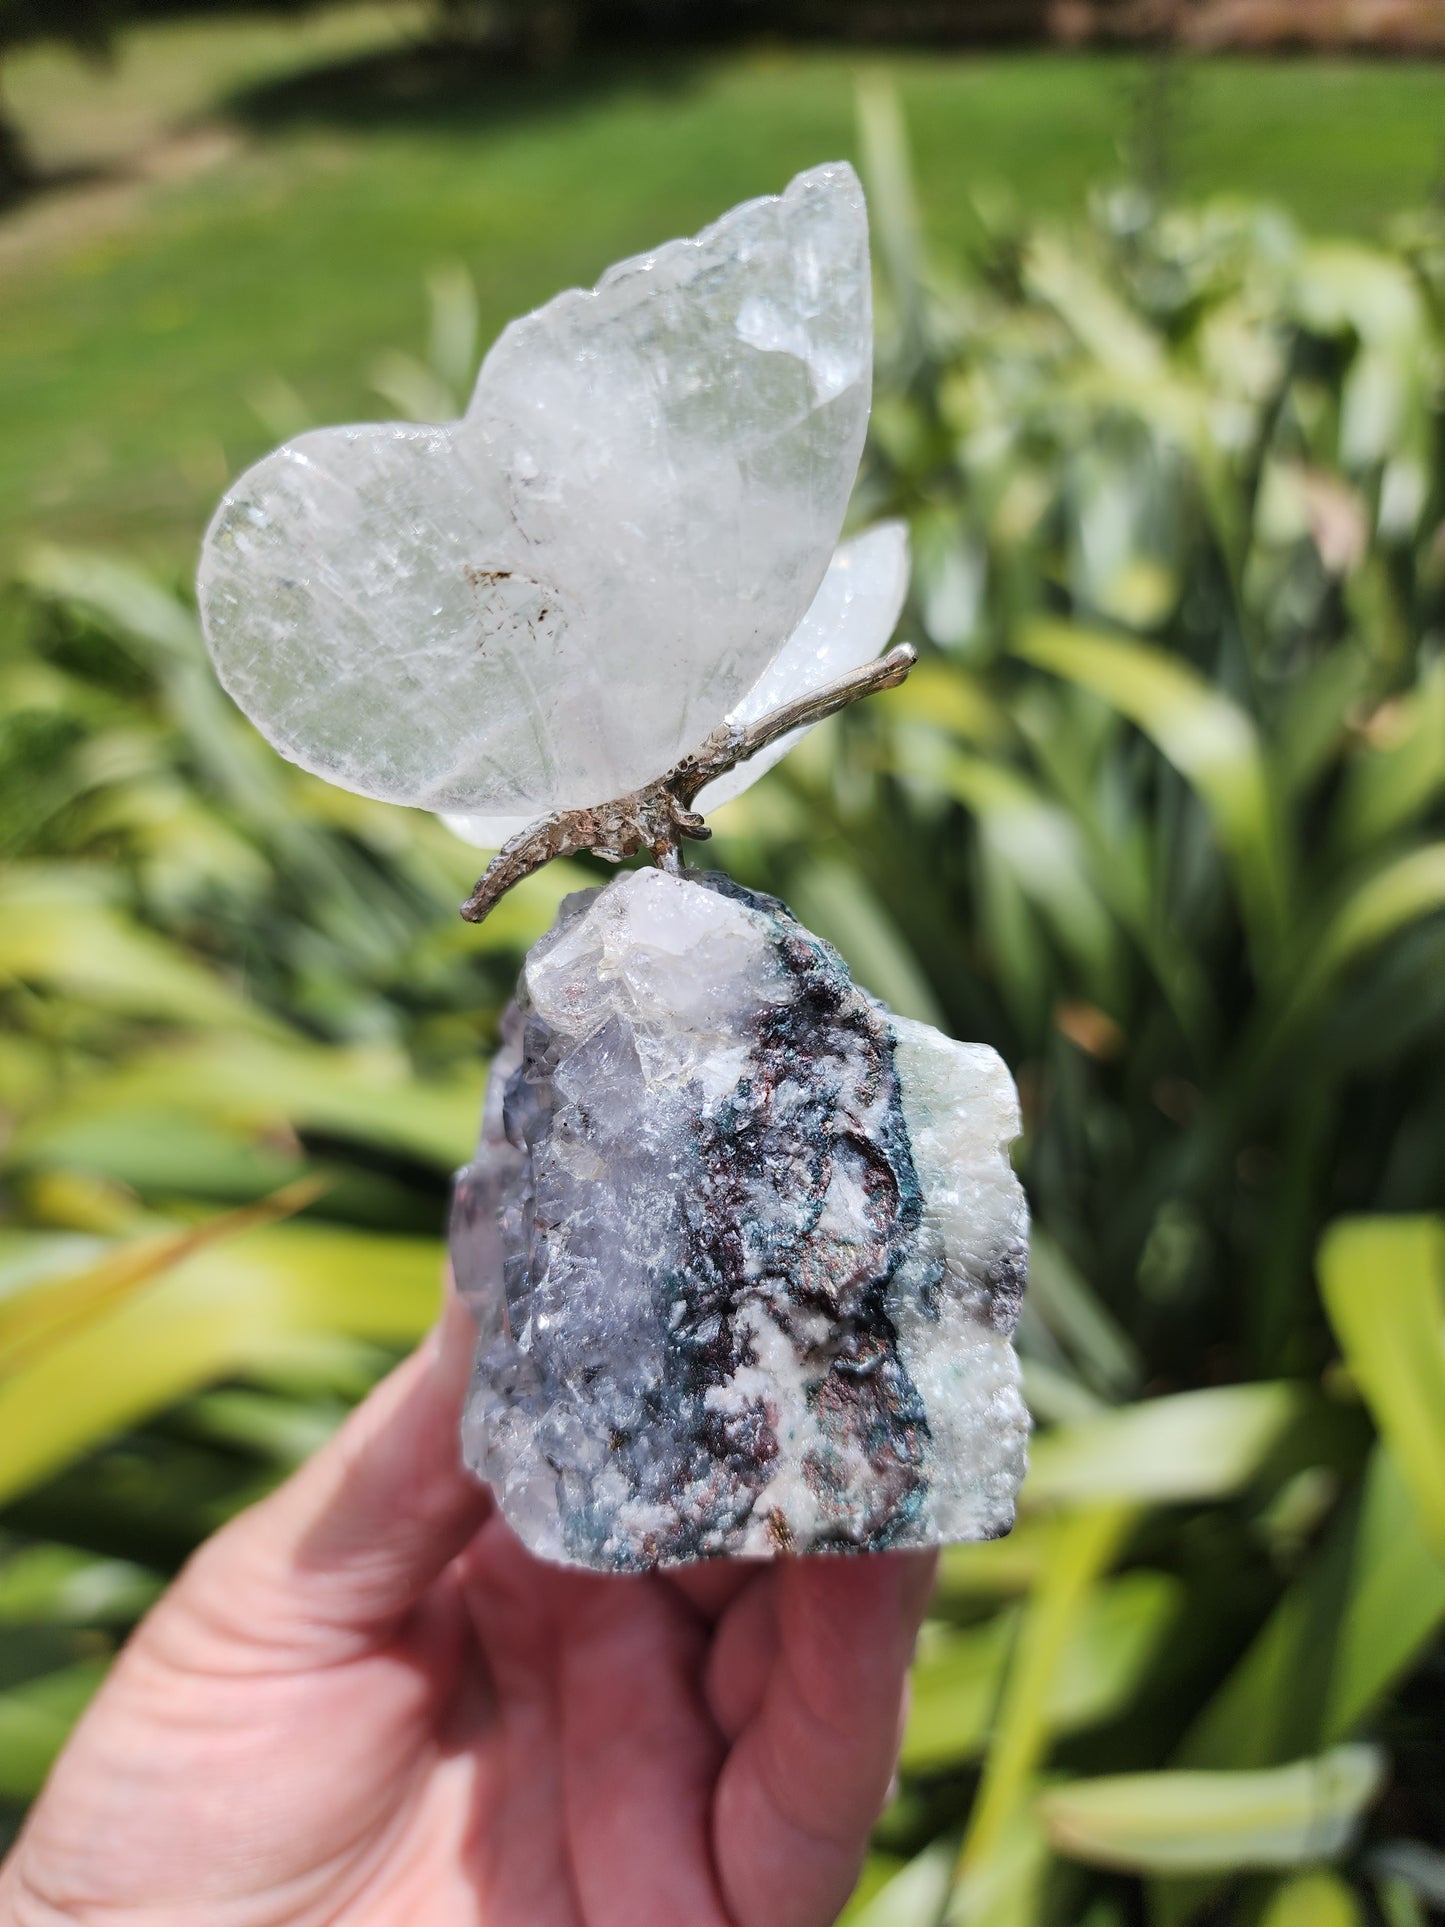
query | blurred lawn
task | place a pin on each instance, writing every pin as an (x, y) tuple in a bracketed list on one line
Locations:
[(1161, 814), (144, 321)]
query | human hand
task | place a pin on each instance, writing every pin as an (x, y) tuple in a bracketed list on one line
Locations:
[(364, 1702)]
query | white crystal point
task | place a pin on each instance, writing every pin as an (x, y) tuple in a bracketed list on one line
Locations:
[(547, 604), (848, 623), (745, 1252)]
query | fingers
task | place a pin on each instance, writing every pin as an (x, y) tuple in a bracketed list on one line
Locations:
[(810, 1771), (348, 1545), (743, 1654), (519, 1847), (711, 1588), (641, 1756)]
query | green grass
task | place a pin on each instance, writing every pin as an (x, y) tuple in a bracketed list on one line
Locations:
[(80, 113), (134, 339)]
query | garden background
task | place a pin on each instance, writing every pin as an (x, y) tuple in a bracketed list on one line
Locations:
[(1161, 814)]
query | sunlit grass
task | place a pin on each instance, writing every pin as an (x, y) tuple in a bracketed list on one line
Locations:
[(139, 332), (78, 113)]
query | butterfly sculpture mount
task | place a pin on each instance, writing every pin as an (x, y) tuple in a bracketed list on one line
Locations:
[(657, 816), (743, 1247)]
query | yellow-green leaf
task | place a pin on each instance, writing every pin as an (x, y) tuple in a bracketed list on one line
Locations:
[(1183, 1822), (1007, 1888), (1398, 894), (1208, 738), (1115, 336), (957, 1675), (1039, 845), (1354, 1621), (1383, 1284), (943, 697), (58, 1585), (57, 930), (1189, 1446), (232, 1307), (35, 1719), (1395, 1604), (363, 1092), (911, 1896), (42, 1315), (995, 1568), (1087, 1543), (1317, 1899), (1401, 767), (118, 596)]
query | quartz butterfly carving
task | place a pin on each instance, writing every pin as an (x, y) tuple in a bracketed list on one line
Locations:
[(609, 596), (743, 1248)]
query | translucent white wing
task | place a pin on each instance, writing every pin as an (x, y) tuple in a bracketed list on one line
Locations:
[(546, 604), (851, 619), (849, 622), (485, 832)]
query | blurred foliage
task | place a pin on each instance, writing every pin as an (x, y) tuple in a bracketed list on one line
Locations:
[(1161, 814), (91, 29)]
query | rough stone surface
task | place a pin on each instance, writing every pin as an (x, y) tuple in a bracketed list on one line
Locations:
[(745, 1250), (548, 603)]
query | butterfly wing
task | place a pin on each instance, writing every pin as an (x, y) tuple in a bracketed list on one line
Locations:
[(851, 620), (546, 604), (485, 832)]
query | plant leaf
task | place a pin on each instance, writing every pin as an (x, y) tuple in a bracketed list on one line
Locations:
[(956, 1678), (1079, 1318), (1038, 844), (56, 929), (117, 597), (1188, 1446), (35, 1720), (249, 1303), (1392, 780), (40, 1316), (1208, 738), (60, 1586), (1395, 1605), (1087, 1542), (1317, 1899), (1354, 1621), (913, 1897), (365, 1094), (1398, 894), (1383, 1285), (1183, 1822)]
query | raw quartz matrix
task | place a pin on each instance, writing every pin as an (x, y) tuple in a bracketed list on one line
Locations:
[(745, 1250)]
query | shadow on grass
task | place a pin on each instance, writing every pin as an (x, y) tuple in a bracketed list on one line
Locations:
[(23, 180), (445, 87)]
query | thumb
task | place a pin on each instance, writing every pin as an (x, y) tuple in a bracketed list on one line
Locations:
[(343, 1550)]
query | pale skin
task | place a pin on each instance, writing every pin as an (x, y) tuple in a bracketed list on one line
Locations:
[(362, 1703)]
